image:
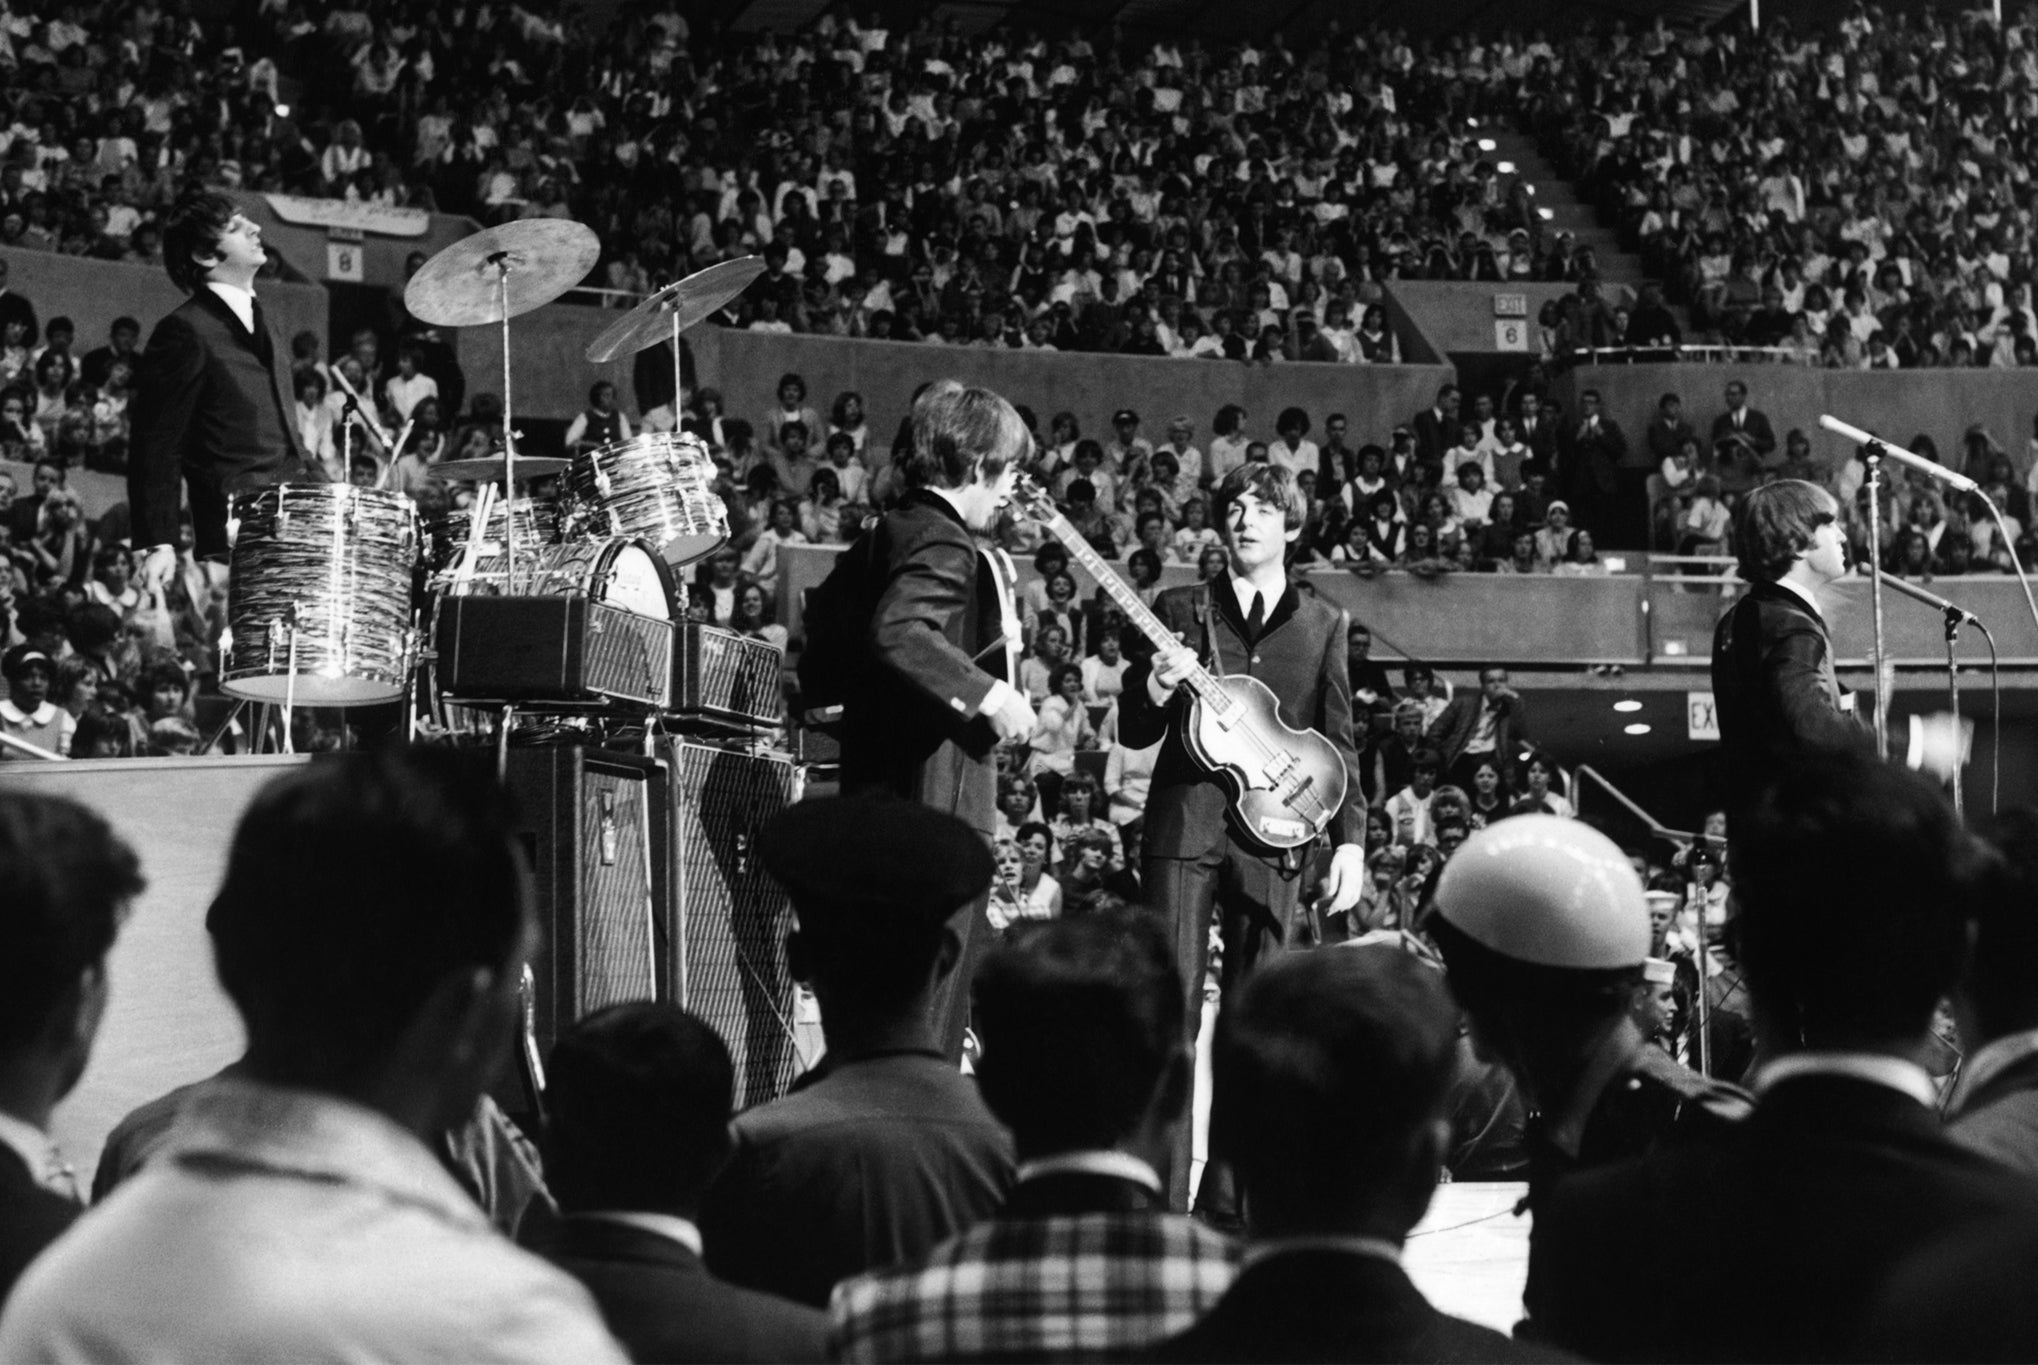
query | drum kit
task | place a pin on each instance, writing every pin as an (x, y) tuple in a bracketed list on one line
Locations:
[(324, 608)]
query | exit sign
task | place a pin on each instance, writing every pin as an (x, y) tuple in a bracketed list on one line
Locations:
[(1510, 305)]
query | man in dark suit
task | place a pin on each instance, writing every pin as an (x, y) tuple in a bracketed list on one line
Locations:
[(885, 1149), (1335, 1068), (923, 717), (1196, 859), (637, 1101), (212, 403), (1591, 454), (1852, 877), (1742, 441), (1086, 1058), (1772, 660), (1490, 725), (1437, 426), (1539, 434), (64, 882), (1993, 1107)]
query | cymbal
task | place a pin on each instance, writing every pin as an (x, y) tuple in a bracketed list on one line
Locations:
[(684, 302), (483, 470), (462, 285)]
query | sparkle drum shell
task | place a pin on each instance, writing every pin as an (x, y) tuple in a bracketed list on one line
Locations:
[(617, 571), (657, 487), (337, 563)]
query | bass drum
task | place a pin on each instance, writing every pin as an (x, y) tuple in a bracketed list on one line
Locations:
[(618, 572)]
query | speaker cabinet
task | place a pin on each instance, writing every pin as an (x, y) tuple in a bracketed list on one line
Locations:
[(596, 827), (729, 919)]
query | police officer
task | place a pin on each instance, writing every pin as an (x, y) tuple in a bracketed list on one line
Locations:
[(1545, 931)]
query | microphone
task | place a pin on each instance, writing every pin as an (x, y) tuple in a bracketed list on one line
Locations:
[(1900, 455), (1930, 599)]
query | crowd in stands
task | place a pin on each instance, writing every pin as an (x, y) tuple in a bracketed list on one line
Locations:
[(1853, 196)]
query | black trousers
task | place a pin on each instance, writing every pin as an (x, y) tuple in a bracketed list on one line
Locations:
[(1255, 901)]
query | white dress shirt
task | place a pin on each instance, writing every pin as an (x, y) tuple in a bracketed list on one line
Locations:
[(241, 301), (280, 1224)]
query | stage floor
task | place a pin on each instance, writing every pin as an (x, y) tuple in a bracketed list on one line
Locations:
[(1470, 1252)]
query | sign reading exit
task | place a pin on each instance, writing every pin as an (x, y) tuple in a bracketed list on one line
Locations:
[(1701, 719)]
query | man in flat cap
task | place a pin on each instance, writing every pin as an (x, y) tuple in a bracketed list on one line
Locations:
[(885, 1149)]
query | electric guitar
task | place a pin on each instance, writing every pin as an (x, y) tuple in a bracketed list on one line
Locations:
[(1285, 783)]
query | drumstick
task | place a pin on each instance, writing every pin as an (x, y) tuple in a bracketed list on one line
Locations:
[(361, 411)]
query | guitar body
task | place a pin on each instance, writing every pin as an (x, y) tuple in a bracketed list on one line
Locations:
[(1286, 784)]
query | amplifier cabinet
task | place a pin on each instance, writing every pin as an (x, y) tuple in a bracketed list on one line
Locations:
[(724, 677), (728, 917), (559, 649)]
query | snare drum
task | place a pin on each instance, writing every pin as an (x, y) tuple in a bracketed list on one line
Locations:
[(620, 572), (657, 487), (319, 602)]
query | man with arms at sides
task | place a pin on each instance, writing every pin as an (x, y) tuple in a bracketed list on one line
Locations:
[(1195, 858), (1336, 1068), (935, 695), (1772, 658), (637, 1101), (1852, 879), (213, 407), (1544, 927), (1086, 1059), (884, 1150), (297, 1212), (65, 881)]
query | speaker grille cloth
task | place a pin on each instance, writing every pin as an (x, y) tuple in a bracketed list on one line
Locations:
[(731, 918), (615, 961)]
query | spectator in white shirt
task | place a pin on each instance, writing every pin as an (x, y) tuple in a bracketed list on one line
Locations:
[(1408, 809)]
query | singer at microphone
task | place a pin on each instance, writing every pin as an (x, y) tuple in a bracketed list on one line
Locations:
[(1774, 689)]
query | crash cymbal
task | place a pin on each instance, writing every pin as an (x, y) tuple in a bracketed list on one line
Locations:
[(461, 286), (678, 306), (481, 471)]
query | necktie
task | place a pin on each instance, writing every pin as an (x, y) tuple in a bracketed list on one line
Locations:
[(1256, 618)]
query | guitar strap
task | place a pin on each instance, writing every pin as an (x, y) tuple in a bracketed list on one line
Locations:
[(1204, 610)]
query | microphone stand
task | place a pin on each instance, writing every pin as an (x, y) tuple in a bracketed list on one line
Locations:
[(1956, 617), (1871, 455)]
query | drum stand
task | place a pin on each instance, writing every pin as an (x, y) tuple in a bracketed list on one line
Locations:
[(501, 261)]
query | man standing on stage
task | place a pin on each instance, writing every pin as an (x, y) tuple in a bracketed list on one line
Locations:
[(212, 398), (1772, 659), (923, 716), (1251, 621)]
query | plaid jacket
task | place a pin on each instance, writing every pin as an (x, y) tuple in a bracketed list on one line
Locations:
[(1092, 1285)]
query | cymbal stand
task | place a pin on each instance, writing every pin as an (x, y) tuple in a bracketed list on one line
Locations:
[(509, 435), (1871, 455)]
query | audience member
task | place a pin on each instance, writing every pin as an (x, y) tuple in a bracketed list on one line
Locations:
[(378, 999), (1852, 878), (883, 1151), (1993, 1107), (65, 882), (1086, 1061), (637, 1104), (1336, 1066)]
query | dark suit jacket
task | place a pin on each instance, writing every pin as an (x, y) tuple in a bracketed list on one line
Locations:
[(1300, 654), (1434, 433), (1329, 1305), (866, 1163), (1773, 686), (212, 409), (915, 725), (1964, 1297), (663, 1305), (1542, 442), (31, 1217), (1999, 1119), (1740, 458), (1770, 1243), (1593, 458), (1455, 726)]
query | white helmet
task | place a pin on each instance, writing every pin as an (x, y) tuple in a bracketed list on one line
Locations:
[(1547, 890)]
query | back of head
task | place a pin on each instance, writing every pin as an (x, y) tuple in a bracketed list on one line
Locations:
[(960, 433), (65, 878), (1079, 1019), (1329, 1064), (637, 1105), (1777, 523), (193, 228), (1850, 874), (874, 880), (355, 886)]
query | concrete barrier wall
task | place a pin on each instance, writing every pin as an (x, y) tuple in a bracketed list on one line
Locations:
[(1625, 619), (93, 293), (1898, 404), (1457, 315)]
